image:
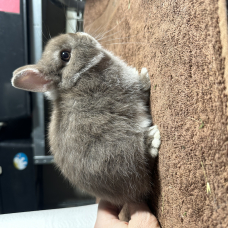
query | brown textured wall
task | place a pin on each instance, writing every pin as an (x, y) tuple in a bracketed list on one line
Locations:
[(179, 42)]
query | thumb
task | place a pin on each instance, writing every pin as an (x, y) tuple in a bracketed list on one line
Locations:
[(107, 216), (141, 216)]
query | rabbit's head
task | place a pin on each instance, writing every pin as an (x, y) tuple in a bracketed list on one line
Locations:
[(65, 57)]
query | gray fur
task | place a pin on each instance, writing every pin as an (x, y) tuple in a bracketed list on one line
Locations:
[(100, 120)]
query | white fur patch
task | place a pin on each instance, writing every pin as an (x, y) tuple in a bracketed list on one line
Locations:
[(56, 56), (144, 72), (154, 133), (153, 130), (144, 120), (156, 143), (130, 76), (51, 95), (157, 135), (154, 152)]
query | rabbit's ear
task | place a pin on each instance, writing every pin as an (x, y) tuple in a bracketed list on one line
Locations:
[(31, 79)]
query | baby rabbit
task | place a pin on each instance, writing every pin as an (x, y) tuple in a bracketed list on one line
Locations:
[(100, 132)]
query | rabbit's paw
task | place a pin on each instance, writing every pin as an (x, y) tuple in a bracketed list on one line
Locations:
[(144, 73), (154, 134), (145, 79)]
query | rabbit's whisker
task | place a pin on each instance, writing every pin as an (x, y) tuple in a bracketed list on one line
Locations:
[(127, 43), (108, 36), (118, 38), (98, 31), (102, 35)]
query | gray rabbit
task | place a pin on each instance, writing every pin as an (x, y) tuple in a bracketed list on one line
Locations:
[(100, 131)]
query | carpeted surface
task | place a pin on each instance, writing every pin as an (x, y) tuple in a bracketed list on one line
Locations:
[(183, 45)]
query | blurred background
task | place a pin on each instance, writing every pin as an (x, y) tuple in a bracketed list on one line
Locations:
[(28, 178)]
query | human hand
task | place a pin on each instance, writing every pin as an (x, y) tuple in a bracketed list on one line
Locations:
[(141, 217)]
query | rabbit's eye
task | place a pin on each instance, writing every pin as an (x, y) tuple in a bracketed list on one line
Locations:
[(65, 56)]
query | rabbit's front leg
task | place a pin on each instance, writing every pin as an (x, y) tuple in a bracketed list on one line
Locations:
[(153, 132), (154, 140), (145, 79)]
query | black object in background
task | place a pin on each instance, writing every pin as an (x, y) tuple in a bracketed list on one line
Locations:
[(14, 103), (17, 186), (16, 129), (17, 183)]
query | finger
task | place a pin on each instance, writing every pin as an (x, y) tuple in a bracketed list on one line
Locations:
[(141, 216), (107, 216), (136, 208), (108, 210)]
